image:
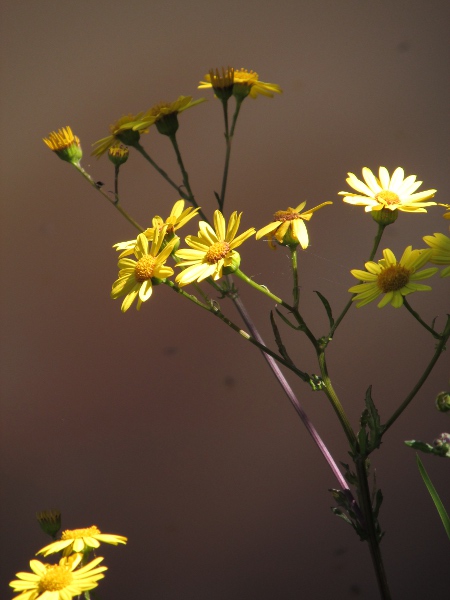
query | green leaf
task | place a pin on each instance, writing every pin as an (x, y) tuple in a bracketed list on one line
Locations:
[(370, 423), (286, 320), (435, 497), (281, 347), (327, 307)]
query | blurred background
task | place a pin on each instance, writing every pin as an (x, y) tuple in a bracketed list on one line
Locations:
[(164, 425)]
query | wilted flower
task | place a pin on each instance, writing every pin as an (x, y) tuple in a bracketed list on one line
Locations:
[(245, 83)]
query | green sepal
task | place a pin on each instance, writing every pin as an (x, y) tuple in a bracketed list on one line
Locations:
[(327, 307)]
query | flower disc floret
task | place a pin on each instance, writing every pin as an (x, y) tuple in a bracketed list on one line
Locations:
[(58, 582), (288, 227), (393, 278), (212, 251), (389, 193), (81, 540), (135, 276)]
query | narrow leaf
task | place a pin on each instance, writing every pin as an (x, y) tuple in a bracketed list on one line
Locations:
[(327, 307), (435, 497)]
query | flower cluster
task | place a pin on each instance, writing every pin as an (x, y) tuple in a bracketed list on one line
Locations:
[(72, 575)]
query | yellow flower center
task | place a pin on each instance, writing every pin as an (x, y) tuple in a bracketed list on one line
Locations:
[(217, 251), (245, 77), (56, 578), (387, 198), (393, 278), (72, 534), (286, 215), (144, 267)]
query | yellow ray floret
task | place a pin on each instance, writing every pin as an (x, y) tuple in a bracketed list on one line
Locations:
[(213, 250), (393, 278), (385, 192)]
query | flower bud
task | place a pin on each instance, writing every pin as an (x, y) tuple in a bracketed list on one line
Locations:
[(118, 155), (65, 145), (442, 444), (443, 401)]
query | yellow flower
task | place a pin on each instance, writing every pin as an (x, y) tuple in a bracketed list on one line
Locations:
[(165, 114), (288, 226), (245, 83), (446, 215), (440, 245), (81, 540), (58, 582), (127, 130), (385, 192), (391, 277), (135, 277), (177, 219), (66, 145), (213, 250)]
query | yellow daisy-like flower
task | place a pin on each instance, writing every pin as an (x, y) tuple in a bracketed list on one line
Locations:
[(58, 582), (135, 277), (385, 192), (164, 114), (65, 144), (178, 218), (81, 540), (288, 226), (245, 82), (440, 245), (127, 130), (393, 278), (213, 250)]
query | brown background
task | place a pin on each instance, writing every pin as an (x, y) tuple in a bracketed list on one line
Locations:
[(164, 425)]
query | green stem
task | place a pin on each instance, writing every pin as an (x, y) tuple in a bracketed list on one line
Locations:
[(114, 202), (376, 243), (295, 289), (262, 289), (185, 176), (335, 402), (373, 541), (214, 310), (439, 349), (163, 174), (228, 139), (434, 333)]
